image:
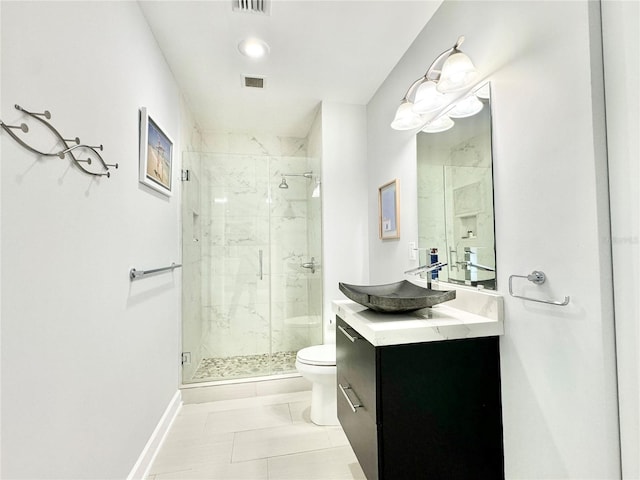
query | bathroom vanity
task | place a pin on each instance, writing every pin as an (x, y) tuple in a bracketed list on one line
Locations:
[(419, 393)]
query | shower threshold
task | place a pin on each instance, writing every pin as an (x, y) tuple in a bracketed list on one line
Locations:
[(244, 366)]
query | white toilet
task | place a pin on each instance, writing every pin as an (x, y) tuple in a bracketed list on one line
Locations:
[(318, 365)]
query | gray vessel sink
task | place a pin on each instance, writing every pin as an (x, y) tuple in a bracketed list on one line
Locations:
[(397, 297)]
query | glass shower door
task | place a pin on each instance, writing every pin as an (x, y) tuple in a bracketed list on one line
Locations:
[(231, 336), (252, 284), (236, 337)]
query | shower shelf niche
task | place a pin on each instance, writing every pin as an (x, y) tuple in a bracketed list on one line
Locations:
[(67, 147)]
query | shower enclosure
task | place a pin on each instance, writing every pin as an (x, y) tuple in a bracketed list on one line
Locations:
[(252, 289)]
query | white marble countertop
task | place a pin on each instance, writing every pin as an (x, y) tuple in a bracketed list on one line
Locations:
[(482, 316)]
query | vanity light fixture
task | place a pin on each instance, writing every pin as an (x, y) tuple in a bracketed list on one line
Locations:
[(452, 71), (253, 48)]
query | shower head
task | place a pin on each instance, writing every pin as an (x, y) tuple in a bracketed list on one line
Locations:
[(283, 183)]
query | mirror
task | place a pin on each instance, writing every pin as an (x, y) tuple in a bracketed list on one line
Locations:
[(455, 200)]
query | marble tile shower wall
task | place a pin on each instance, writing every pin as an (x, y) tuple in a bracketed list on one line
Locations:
[(248, 144), (469, 202), (244, 212), (432, 229), (294, 324)]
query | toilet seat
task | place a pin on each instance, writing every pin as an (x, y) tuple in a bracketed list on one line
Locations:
[(323, 355)]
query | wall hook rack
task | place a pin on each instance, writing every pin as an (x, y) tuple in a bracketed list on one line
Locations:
[(537, 277), (66, 150)]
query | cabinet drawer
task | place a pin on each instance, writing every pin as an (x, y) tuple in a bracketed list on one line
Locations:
[(356, 369), (362, 433)]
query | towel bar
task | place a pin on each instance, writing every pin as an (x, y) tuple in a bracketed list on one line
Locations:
[(538, 278), (135, 274)]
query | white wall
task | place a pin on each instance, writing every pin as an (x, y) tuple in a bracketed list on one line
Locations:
[(344, 193), (1, 342), (90, 360), (558, 364), (621, 27)]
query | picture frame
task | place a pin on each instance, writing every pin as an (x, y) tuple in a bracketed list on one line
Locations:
[(389, 210), (156, 155)]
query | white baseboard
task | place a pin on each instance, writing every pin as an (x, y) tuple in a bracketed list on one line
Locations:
[(151, 449)]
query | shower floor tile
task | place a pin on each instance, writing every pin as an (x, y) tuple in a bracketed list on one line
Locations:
[(217, 368)]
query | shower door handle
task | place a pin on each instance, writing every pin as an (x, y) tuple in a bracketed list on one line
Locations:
[(260, 264)]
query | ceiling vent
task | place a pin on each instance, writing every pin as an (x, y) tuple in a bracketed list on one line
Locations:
[(252, 81), (252, 6)]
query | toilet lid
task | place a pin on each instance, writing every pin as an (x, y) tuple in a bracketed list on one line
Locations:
[(318, 355)]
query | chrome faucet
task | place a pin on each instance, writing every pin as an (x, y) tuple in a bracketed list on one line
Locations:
[(426, 269)]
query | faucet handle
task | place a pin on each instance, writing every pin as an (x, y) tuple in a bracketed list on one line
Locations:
[(311, 265)]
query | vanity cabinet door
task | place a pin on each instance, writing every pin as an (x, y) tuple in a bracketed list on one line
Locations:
[(440, 410), (356, 376)]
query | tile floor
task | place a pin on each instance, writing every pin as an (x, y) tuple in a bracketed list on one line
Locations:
[(259, 438)]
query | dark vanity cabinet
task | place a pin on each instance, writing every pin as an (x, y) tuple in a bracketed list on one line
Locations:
[(424, 410)]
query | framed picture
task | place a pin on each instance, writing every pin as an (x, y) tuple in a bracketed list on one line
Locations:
[(389, 210), (156, 155)]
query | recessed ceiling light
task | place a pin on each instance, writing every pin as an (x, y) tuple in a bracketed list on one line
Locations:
[(253, 48)]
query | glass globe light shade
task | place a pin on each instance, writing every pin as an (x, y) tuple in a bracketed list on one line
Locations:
[(457, 74), (405, 118), (438, 125), (484, 91), (427, 98), (466, 107)]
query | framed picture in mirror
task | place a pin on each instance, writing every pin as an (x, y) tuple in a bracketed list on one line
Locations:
[(389, 210)]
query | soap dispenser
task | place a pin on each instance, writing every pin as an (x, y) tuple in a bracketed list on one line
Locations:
[(433, 258)]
